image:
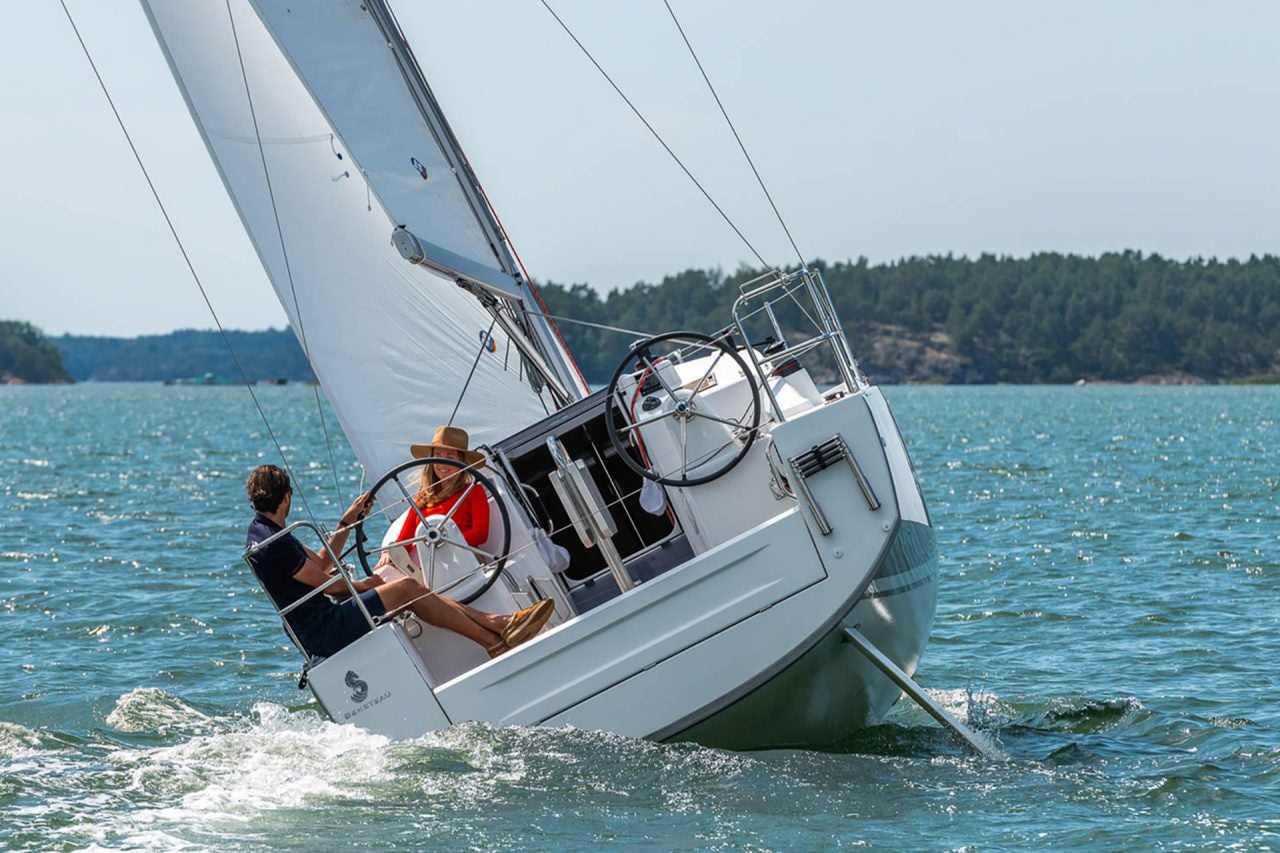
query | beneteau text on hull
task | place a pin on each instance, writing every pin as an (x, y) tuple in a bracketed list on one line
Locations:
[(726, 522)]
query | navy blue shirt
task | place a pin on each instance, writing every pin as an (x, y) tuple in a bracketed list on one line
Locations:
[(276, 566)]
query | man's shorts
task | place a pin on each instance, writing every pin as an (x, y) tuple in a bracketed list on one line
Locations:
[(341, 626)]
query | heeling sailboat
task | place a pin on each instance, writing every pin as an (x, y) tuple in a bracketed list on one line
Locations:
[(787, 521)]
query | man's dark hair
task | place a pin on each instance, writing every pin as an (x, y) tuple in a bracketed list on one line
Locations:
[(267, 485)]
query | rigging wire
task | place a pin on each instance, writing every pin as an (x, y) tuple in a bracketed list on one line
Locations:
[(589, 324), (729, 121), (266, 173), (657, 136), (185, 257), (484, 344)]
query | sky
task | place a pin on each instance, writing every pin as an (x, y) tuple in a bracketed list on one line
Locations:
[(882, 130)]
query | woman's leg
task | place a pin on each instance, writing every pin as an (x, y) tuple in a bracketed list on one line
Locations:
[(438, 611)]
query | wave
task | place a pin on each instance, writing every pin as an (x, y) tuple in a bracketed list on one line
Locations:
[(1084, 716), (147, 709), (213, 784), (276, 770), (277, 776), (17, 741)]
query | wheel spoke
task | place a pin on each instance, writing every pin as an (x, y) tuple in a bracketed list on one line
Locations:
[(485, 555), (657, 374), (684, 448), (732, 424), (402, 544), (431, 571), (413, 506), (698, 387), (646, 422), (459, 502), (678, 348)]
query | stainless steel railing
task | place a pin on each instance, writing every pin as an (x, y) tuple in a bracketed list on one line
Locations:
[(761, 294), (342, 575)]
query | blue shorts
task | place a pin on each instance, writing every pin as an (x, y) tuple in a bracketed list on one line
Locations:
[(341, 625)]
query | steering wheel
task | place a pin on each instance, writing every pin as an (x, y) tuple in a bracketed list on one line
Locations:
[(433, 533), (685, 404)]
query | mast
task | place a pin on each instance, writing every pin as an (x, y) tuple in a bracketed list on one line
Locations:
[(542, 327)]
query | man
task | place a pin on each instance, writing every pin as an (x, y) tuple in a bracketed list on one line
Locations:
[(289, 570)]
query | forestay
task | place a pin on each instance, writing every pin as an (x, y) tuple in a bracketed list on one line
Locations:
[(391, 343)]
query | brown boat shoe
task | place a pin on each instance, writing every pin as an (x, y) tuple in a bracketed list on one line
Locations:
[(526, 623)]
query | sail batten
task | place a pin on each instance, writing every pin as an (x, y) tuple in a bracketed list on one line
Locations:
[(392, 344)]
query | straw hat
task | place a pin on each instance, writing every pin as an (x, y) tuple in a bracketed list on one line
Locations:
[(451, 438)]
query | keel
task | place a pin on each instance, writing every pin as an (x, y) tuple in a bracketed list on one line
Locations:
[(979, 743)]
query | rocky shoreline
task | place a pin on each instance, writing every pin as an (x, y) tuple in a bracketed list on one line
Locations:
[(894, 355)]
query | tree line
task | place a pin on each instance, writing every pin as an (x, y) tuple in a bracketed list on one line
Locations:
[(27, 356), (1045, 318), (188, 353)]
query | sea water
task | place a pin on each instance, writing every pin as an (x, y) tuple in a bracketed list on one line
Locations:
[(1108, 612)]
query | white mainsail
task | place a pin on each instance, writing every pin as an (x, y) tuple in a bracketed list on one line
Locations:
[(392, 344)]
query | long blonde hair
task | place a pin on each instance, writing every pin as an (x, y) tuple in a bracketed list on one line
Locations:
[(434, 490)]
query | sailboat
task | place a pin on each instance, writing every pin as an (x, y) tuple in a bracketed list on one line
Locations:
[(731, 531)]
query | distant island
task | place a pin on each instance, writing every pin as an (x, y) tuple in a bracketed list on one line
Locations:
[(187, 356), (27, 356), (1048, 318)]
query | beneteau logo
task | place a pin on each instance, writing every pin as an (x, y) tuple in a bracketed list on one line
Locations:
[(359, 689)]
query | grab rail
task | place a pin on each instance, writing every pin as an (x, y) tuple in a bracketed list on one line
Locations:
[(830, 332), (591, 511), (342, 575)]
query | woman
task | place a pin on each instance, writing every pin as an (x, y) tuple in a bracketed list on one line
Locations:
[(443, 486), (447, 488)]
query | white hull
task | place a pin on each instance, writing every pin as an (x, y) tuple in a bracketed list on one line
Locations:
[(739, 647), (830, 690)]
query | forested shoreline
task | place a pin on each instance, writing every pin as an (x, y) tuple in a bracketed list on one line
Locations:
[(26, 355), (1048, 318), (270, 355)]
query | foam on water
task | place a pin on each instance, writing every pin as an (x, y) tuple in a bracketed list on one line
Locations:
[(230, 781), (17, 741), (148, 709), (211, 783)]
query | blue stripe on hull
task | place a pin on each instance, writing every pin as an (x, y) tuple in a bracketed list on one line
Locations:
[(831, 690)]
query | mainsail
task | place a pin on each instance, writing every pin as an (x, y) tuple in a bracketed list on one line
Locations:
[(298, 106)]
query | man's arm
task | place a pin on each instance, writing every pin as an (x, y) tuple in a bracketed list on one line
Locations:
[(317, 569)]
